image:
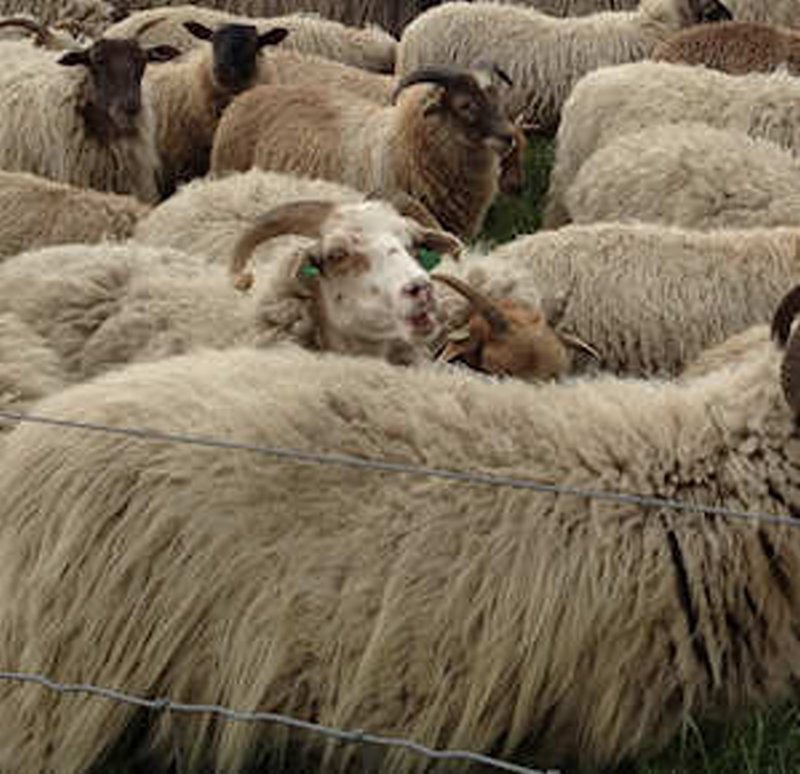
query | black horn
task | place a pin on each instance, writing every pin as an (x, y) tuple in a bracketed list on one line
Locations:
[(449, 77)]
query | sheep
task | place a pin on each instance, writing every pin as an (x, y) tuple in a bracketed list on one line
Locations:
[(370, 48), (690, 175), (734, 47), (647, 298), (544, 56), (102, 306), (189, 95), (81, 117), (36, 212), (403, 605), (613, 101), (440, 143)]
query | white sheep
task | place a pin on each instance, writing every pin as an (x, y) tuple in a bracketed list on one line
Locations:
[(36, 212), (440, 143), (82, 17), (462, 616), (80, 117), (544, 56), (370, 48), (614, 101), (648, 298), (348, 281), (689, 175)]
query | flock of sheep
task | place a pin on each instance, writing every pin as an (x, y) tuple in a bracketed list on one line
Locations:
[(247, 223)]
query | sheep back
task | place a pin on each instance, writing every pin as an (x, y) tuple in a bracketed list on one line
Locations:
[(174, 570)]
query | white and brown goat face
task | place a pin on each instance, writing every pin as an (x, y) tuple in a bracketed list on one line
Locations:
[(113, 101), (372, 285), (373, 295)]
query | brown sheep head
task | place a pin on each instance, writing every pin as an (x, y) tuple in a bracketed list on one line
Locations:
[(509, 338), (112, 102), (235, 51), (470, 99)]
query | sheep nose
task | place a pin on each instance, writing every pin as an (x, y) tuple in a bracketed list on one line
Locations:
[(419, 289)]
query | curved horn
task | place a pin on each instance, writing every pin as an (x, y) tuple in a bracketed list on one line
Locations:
[(43, 35), (498, 322), (449, 77), (303, 218), (781, 329), (149, 24)]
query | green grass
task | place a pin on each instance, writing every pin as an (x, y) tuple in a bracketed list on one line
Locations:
[(510, 216)]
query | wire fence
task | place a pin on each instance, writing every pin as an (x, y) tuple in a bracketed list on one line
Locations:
[(353, 737), (300, 456)]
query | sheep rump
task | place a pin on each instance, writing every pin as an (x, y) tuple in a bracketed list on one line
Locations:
[(317, 612), (543, 56), (370, 48), (613, 101), (689, 175), (36, 212)]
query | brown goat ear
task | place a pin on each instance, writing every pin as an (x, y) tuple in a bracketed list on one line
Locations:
[(466, 351), (272, 37), (578, 344), (198, 30), (161, 53), (73, 58)]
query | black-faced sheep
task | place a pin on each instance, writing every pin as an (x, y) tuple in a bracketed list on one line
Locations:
[(80, 117), (190, 93), (406, 605), (544, 56), (614, 101), (441, 143)]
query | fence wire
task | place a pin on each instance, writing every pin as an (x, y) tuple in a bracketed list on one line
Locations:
[(300, 456), (354, 737)]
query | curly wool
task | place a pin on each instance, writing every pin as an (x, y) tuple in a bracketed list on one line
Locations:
[(402, 605), (689, 175)]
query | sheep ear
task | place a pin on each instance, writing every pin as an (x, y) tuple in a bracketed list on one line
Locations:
[(438, 242), (161, 53), (199, 30), (578, 344), (73, 58), (465, 350), (434, 102), (272, 37)]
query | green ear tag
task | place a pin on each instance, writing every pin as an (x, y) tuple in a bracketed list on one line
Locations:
[(307, 270), (428, 259)]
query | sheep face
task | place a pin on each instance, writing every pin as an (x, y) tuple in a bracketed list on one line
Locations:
[(709, 11), (372, 288), (236, 48), (113, 100)]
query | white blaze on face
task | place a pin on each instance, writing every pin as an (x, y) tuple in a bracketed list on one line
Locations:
[(373, 286)]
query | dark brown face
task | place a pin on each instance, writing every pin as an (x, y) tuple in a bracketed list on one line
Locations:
[(710, 11), (114, 97), (479, 112)]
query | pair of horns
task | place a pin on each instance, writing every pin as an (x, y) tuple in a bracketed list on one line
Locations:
[(498, 321), (452, 78)]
